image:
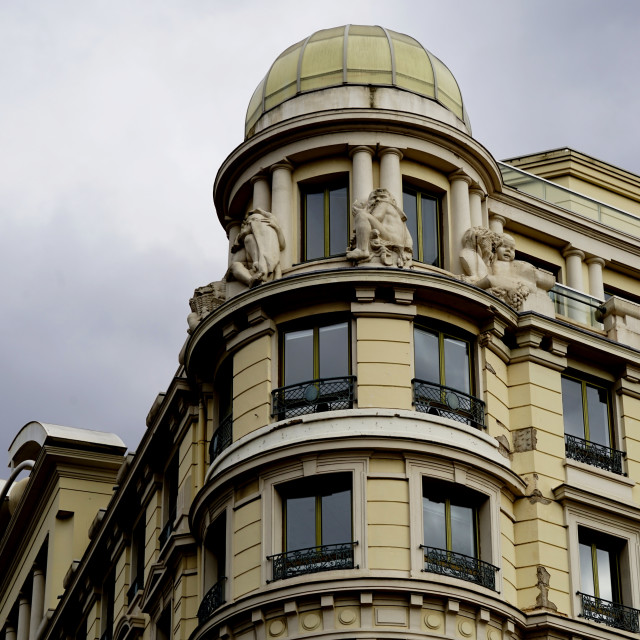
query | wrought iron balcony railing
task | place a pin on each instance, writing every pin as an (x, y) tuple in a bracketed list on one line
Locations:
[(312, 560), (314, 396), (448, 403), (610, 613), (458, 565), (134, 587), (211, 601), (221, 438), (597, 455), (167, 531)]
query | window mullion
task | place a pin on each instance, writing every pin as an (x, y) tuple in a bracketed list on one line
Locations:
[(585, 411), (447, 521), (316, 353), (327, 223), (318, 520), (594, 566), (419, 225)]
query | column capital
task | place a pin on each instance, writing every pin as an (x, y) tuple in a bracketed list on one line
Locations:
[(283, 164), (460, 175), (595, 260), (476, 190), (260, 177), (497, 218), (361, 149), (570, 251), (390, 150)]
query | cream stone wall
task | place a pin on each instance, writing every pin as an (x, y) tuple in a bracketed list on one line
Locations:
[(247, 548), (508, 548), (629, 411), (384, 362), (152, 530), (93, 621), (121, 576), (185, 598), (252, 386)]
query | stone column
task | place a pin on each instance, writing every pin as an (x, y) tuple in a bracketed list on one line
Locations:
[(37, 602), (9, 633), (281, 196), (596, 284), (362, 173), (475, 205), (460, 216), (574, 258), (496, 223), (24, 613), (261, 193), (390, 173)]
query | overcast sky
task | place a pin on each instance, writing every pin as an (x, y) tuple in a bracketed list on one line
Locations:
[(115, 116)]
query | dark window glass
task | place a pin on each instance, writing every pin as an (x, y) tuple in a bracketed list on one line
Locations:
[(325, 218), (332, 350), (299, 356), (600, 565), (442, 359), (423, 223), (586, 412), (317, 513)]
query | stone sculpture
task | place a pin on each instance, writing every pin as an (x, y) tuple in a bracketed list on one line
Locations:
[(256, 250), (205, 300), (488, 260), (380, 232)]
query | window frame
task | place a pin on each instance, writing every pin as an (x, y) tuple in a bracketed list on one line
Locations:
[(324, 185), (409, 188)]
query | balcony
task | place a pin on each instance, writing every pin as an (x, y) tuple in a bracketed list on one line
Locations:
[(312, 560), (610, 613), (314, 396), (212, 600), (597, 455), (439, 400), (458, 565), (576, 305), (221, 438)]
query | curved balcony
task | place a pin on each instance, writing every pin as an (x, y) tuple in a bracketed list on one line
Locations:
[(313, 396), (459, 565), (597, 455), (610, 613), (221, 438), (448, 403), (212, 600), (300, 562)]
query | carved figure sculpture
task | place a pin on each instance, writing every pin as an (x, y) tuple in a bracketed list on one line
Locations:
[(256, 250), (488, 259), (380, 232), (205, 300)]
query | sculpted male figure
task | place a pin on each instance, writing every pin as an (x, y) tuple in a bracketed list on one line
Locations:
[(256, 250), (380, 231)]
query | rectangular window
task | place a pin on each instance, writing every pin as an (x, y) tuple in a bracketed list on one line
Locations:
[(316, 525), (215, 561), (325, 220), (170, 499), (137, 559), (107, 606), (223, 434), (423, 222)]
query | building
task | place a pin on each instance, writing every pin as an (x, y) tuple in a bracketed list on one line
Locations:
[(410, 409)]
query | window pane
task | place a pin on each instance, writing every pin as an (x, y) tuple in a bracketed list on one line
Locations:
[(605, 571), (572, 407), (336, 517), (334, 350), (301, 522), (314, 226), (427, 356), (435, 530), (429, 215), (410, 208), (456, 364), (586, 570), (463, 530), (598, 415), (338, 216), (298, 356)]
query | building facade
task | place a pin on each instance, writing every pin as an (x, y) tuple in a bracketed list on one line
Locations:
[(408, 409)]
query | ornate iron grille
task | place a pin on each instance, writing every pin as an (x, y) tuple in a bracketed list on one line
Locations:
[(458, 565), (312, 560), (221, 438), (167, 531), (448, 403), (314, 396), (609, 613), (597, 455), (212, 600)]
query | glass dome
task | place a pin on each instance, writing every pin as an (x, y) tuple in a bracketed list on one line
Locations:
[(355, 55)]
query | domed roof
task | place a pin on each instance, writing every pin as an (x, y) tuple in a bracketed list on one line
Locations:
[(355, 55)]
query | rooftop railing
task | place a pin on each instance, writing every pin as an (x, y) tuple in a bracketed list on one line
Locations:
[(459, 565), (299, 562), (212, 600), (610, 613), (313, 396), (447, 402), (221, 438), (570, 200), (597, 455), (576, 305)]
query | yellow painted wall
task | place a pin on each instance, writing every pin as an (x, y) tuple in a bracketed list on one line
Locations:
[(247, 548)]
